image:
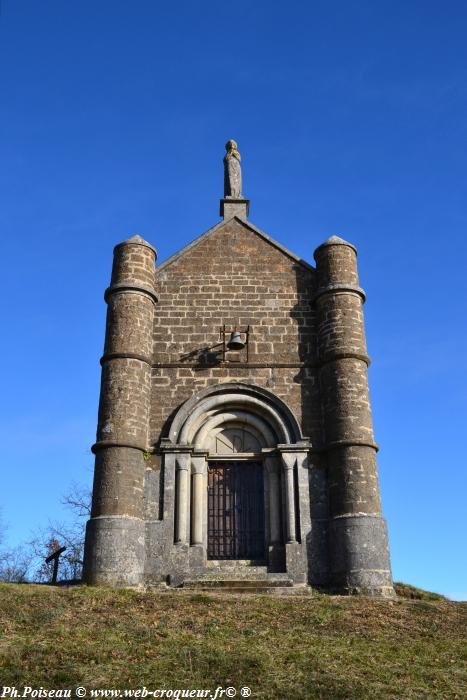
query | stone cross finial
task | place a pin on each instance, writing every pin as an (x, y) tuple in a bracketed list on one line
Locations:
[(232, 171)]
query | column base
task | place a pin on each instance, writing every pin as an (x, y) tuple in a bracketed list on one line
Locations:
[(360, 556), (114, 551), (295, 562)]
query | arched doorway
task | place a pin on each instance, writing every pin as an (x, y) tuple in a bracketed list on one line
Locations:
[(236, 528), (240, 477)]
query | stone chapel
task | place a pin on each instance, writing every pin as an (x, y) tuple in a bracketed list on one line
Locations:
[(235, 439)]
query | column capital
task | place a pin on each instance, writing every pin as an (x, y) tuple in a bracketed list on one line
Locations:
[(302, 446), (292, 454), (168, 446), (289, 460), (198, 464), (182, 461)]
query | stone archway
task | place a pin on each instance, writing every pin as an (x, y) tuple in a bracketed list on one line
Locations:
[(239, 424)]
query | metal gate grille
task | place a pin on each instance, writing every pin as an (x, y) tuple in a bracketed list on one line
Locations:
[(235, 510)]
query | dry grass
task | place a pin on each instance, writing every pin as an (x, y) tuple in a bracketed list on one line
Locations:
[(318, 647)]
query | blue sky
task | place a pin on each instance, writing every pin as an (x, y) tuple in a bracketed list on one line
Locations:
[(351, 120)]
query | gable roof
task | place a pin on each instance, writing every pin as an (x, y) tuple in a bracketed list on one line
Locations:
[(246, 224)]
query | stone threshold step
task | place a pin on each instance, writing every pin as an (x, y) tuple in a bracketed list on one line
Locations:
[(273, 590), (239, 575), (237, 583), (233, 563)]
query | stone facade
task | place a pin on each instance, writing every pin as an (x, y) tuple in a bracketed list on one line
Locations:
[(175, 401)]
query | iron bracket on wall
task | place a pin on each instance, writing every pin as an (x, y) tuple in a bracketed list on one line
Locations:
[(224, 331)]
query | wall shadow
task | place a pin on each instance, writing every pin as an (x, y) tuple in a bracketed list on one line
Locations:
[(312, 424)]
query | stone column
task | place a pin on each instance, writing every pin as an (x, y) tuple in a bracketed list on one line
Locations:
[(198, 468), (182, 497), (114, 549), (273, 512), (288, 463), (358, 539), (297, 508), (272, 468)]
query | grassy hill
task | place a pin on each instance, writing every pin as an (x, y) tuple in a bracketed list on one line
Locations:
[(296, 647)]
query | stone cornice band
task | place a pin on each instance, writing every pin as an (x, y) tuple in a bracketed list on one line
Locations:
[(345, 356), (336, 288), (131, 287), (176, 448), (336, 444), (357, 515), (167, 446), (264, 365), (125, 356), (104, 444), (234, 365)]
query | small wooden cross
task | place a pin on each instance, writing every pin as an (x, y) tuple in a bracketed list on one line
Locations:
[(55, 557)]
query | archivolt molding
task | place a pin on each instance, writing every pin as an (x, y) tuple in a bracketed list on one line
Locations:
[(229, 405), (224, 403), (215, 424), (258, 421)]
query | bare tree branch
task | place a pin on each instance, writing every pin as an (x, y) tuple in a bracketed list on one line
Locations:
[(78, 499), (17, 563)]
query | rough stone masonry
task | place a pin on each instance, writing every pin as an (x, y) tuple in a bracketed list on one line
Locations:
[(235, 437)]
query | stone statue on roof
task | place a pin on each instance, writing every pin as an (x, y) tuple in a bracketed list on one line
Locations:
[(232, 171)]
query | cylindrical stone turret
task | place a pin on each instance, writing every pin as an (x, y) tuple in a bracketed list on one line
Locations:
[(357, 536), (114, 550)]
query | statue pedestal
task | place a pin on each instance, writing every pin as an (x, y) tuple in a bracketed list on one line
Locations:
[(234, 207)]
